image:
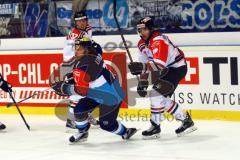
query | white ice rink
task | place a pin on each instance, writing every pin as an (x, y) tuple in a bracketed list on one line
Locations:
[(48, 140)]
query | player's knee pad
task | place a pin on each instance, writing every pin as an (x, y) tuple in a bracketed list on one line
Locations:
[(108, 125), (159, 103), (81, 116), (163, 87), (85, 105)]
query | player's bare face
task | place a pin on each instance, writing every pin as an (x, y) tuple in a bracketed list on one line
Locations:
[(82, 24), (144, 33), (79, 51)]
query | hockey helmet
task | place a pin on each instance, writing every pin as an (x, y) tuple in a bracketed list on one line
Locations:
[(146, 22)]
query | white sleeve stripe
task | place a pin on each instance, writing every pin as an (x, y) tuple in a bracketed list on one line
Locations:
[(160, 62), (161, 38)]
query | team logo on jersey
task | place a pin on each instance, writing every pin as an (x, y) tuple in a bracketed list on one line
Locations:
[(155, 44), (73, 35)]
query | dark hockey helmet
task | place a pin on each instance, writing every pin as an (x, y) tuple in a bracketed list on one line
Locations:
[(80, 15), (83, 42), (146, 22)]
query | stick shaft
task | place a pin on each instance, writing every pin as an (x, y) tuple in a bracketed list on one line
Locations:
[(120, 31), (23, 100), (19, 111)]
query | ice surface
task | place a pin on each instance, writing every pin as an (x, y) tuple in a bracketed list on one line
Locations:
[(48, 140)]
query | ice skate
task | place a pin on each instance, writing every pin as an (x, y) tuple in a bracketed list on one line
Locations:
[(81, 136), (186, 127), (153, 132), (129, 133)]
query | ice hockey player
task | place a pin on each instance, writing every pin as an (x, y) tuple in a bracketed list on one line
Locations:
[(159, 55), (99, 86), (5, 86), (81, 29)]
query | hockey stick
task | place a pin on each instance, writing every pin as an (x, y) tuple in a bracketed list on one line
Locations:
[(19, 111), (123, 39), (120, 31), (11, 104), (163, 71)]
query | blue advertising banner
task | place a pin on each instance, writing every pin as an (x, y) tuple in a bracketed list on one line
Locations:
[(189, 15), (210, 15), (36, 20), (170, 16)]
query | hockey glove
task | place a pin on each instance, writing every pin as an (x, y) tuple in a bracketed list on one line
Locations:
[(142, 88), (5, 86), (136, 68), (63, 89), (68, 78)]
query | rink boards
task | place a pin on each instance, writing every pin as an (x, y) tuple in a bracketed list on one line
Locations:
[(209, 91)]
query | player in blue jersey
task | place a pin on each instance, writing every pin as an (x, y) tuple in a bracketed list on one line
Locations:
[(99, 87)]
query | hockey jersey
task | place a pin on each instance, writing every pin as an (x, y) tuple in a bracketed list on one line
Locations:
[(160, 51), (92, 79), (68, 50)]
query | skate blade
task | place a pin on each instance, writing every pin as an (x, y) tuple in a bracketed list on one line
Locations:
[(187, 131), (78, 142), (156, 136)]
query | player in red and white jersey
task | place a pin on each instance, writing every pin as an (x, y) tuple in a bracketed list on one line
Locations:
[(160, 57), (80, 30), (159, 48)]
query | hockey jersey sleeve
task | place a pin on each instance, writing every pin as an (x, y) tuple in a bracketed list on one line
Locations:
[(143, 58), (68, 50), (88, 32)]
